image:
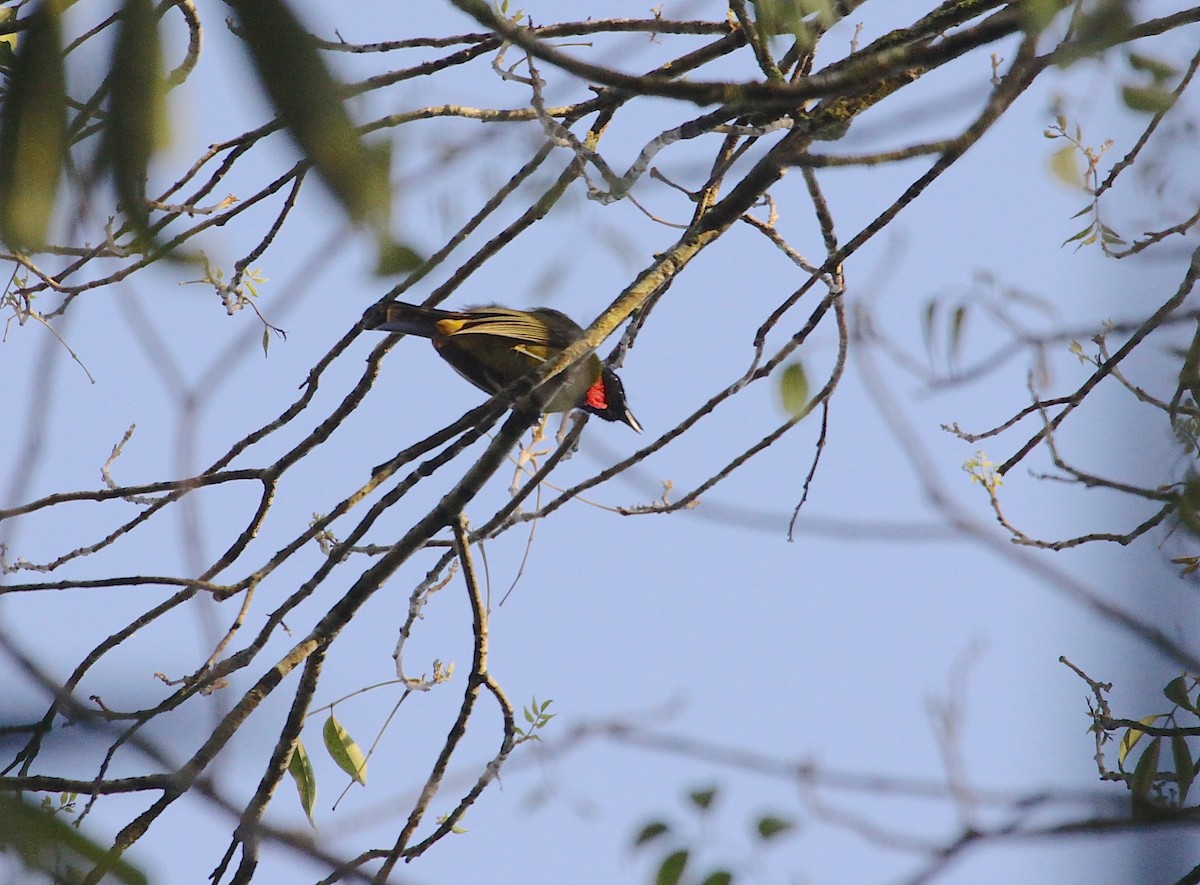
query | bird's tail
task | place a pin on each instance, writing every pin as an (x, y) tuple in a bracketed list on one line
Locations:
[(410, 319)]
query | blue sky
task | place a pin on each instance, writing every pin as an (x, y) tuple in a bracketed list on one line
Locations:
[(708, 626)]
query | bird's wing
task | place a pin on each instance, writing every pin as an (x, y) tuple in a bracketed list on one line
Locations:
[(515, 325)]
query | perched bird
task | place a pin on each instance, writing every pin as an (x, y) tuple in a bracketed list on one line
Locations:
[(493, 346)]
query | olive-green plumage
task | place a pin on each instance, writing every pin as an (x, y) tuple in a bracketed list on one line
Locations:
[(493, 346)]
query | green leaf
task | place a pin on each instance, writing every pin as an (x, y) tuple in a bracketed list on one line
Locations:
[(1158, 70), (769, 827), (33, 131), (1176, 691), (1147, 99), (720, 877), (650, 832), (1131, 738), (1096, 30), (301, 769), (47, 845), (773, 18), (344, 751), (137, 118), (1185, 769), (703, 799), (1079, 236), (395, 258), (1146, 771), (1036, 15), (670, 871), (793, 390), (928, 318), (308, 100), (957, 325)]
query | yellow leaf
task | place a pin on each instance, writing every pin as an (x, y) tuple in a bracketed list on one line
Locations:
[(793, 390), (344, 751), (1065, 166), (1132, 736), (33, 131)]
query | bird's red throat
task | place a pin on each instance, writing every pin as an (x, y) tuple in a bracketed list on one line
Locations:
[(596, 396)]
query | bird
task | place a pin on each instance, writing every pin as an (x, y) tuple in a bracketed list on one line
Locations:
[(493, 346)]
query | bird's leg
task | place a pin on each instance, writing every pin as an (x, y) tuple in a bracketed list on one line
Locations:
[(563, 427), (528, 455)]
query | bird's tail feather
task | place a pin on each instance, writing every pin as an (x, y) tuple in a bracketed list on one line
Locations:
[(410, 319)]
